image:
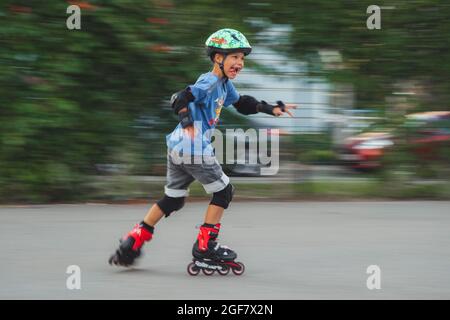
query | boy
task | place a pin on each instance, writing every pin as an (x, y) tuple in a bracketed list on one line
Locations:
[(198, 108)]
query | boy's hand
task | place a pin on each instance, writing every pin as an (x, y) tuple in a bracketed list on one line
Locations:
[(278, 111), (190, 129)]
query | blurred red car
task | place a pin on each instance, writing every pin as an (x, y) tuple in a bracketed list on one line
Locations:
[(364, 151), (430, 133)]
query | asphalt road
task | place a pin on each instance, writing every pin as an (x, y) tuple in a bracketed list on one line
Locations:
[(292, 250)]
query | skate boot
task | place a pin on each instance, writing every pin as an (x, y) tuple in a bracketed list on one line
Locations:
[(131, 244), (209, 255)]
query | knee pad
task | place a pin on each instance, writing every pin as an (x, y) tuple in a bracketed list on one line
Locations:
[(170, 204), (223, 197)]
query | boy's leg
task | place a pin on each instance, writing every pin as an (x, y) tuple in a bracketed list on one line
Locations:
[(215, 182), (175, 191), (153, 215), (213, 214)]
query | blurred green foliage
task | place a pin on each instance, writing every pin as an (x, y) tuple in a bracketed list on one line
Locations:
[(73, 99), (412, 45), (314, 148), (70, 98)]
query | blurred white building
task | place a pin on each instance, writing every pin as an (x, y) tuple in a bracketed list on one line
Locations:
[(287, 80)]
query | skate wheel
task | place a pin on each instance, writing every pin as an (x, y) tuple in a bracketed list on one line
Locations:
[(113, 260), (224, 271), (207, 272), (192, 269), (240, 270)]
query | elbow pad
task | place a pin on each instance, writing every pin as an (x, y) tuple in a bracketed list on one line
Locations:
[(181, 100), (246, 105)]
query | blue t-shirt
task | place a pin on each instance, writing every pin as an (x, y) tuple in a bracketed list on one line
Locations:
[(211, 94)]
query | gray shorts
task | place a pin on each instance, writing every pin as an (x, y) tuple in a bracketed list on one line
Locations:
[(181, 174)]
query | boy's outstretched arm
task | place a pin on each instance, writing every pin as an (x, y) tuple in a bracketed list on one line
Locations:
[(249, 105)]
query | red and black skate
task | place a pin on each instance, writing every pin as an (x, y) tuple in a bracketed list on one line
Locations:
[(209, 255), (131, 244)]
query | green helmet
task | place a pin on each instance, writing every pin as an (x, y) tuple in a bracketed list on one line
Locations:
[(227, 41)]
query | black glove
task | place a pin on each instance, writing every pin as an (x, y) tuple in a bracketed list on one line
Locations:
[(268, 108)]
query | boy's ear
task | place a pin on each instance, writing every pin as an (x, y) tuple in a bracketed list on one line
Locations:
[(218, 58)]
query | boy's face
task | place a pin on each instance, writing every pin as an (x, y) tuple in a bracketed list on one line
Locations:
[(234, 63)]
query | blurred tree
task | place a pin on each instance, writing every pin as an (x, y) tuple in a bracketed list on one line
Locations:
[(69, 98), (412, 46)]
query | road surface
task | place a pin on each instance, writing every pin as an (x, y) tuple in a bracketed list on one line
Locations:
[(292, 250)]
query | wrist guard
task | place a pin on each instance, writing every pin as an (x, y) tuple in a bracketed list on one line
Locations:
[(185, 119), (268, 108)]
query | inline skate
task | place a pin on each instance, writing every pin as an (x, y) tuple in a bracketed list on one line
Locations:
[(209, 256), (131, 244)]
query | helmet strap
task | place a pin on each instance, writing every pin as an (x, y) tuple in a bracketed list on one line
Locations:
[(221, 64)]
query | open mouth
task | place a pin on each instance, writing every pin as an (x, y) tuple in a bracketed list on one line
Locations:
[(234, 70)]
